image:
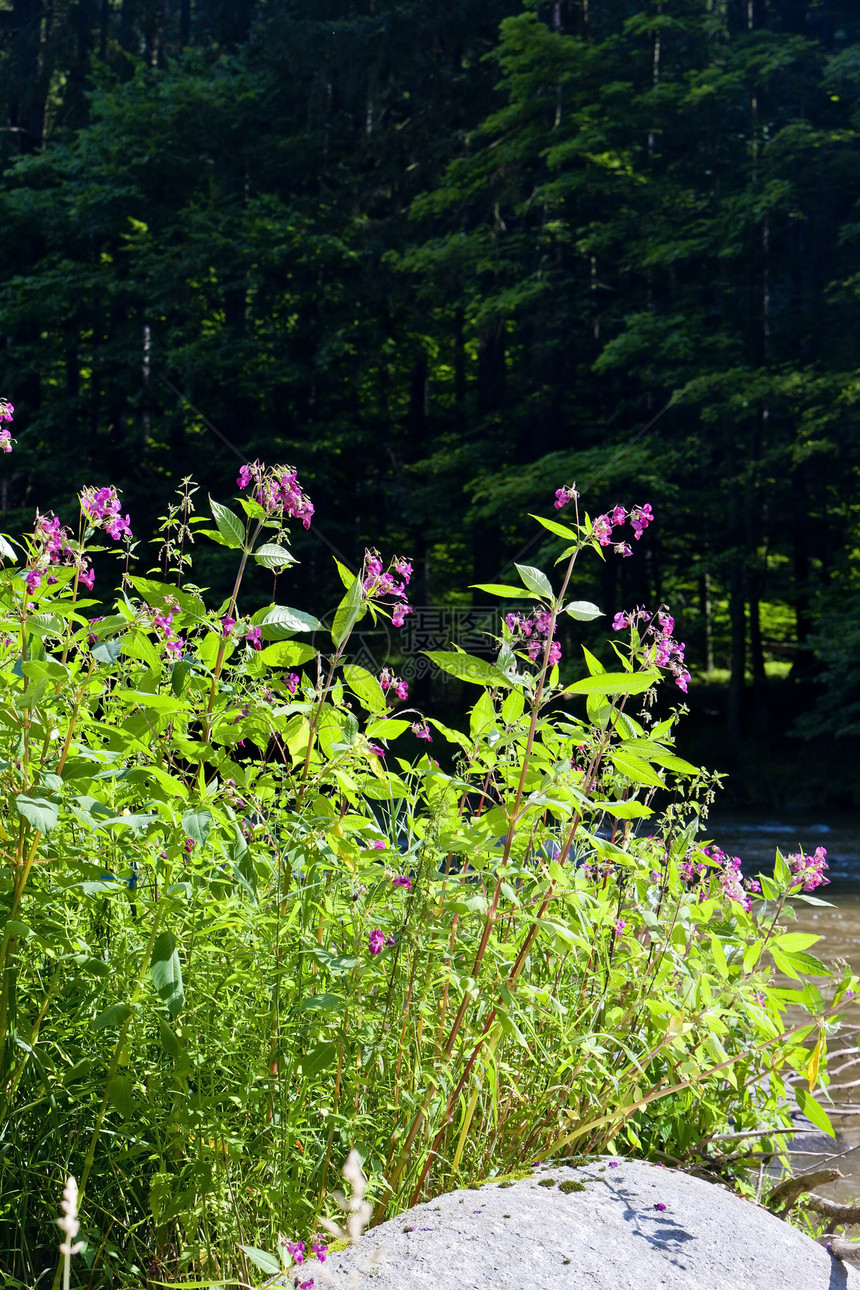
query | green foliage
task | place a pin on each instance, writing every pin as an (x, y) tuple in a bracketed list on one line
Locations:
[(237, 942)]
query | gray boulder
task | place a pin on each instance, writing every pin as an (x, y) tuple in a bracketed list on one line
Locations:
[(634, 1226)]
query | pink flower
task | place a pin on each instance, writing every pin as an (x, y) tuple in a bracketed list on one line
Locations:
[(33, 579), (101, 506), (244, 478), (624, 549), (376, 750), (619, 622), (399, 616), (404, 568), (297, 1250), (421, 730), (376, 941), (6, 410), (808, 870), (402, 690), (227, 625), (402, 880), (602, 530), (640, 518), (554, 655), (293, 681), (543, 622), (660, 1205), (320, 1251), (189, 845), (617, 516), (619, 926), (562, 497), (378, 844), (253, 637), (87, 577)]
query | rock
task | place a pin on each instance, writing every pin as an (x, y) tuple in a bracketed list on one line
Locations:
[(635, 1226)]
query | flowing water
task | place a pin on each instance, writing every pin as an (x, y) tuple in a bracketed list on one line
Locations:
[(754, 838)]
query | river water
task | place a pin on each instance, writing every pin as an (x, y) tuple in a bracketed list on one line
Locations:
[(755, 837)]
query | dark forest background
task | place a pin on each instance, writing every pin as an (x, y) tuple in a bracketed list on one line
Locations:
[(445, 256)]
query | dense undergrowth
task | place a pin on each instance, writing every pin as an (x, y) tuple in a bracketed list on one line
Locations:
[(242, 936)]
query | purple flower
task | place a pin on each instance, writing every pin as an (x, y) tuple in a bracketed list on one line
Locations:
[(376, 941), (244, 478), (402, 690), (554, 655), (617, 516), (292, 682), (399, 616), (659, 1205), (619, 622), (402, 880), (319, 1250), (404, 568), (619, 926), (297, 1250), (376, 750), (101, 506), (253, 637), (808, 870), (613, 1164), (33, 579), (376, 845), (563, 496), (543, 622), (421, 730), (602, 530), (189, 845), (640, 518), (6, 410), (227, 625)]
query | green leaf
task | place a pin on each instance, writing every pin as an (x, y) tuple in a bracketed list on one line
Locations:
[(719, 955), (318, 1059), (797, 966), (791, 941), (366, 686), (42, 813), (6, 551), (583, 611), (348, 613), (267, 1263), (159, 594), (387, 728), (272, 556), (116, 1015), (535, 580), (813, 1111), (169, 1040), (635, 769), (321, 1003), (614, 683), (287, 654), (107, 651), (467, 667), (498, 589), (560, 530), (166, 972), (120, 1093), (230, 527), (625, 810), (197, 824), (279, 622)]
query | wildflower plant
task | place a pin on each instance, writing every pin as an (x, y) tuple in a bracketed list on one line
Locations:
[(243, 936)]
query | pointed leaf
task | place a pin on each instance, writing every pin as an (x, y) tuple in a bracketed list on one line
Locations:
[(230, 527), (535, 580), (166, 972)]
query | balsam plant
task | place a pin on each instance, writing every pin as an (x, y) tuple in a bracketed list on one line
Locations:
[(242, 936)]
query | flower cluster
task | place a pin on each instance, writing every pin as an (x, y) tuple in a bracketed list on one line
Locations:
[(389, 681), (101, 506), (662, 648), (377, 941), (535, 631), (52, 541), (68, 1220), (378, 582), (728, 871), (564, 495), (6, 439), (164, 623), (808, 870), (277, 490), (640, 517)]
